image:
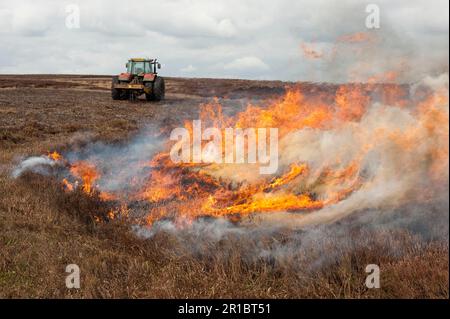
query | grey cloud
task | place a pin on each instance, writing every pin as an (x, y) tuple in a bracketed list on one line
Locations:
[(222, 38)]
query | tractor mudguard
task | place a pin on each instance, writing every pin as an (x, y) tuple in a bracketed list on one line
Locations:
[(125, 76), (149, 77)]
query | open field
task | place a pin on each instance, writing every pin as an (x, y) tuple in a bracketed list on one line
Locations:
[(42, 229)]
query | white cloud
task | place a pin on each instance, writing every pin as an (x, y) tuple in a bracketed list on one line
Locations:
[(246, 63), (31, 19), (226, 28), (188, 69)]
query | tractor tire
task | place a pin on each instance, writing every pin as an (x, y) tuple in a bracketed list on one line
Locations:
[(158, 90), (124, 95), (148, 96), (115, 93)]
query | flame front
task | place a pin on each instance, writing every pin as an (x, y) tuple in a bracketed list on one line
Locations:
[(329, 146)]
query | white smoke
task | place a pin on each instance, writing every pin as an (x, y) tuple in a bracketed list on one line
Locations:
[(34, 164)]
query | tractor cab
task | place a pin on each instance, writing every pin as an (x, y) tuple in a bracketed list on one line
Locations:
[(138, 66)]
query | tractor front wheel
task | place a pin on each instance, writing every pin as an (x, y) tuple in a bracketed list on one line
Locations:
[(115, 93)]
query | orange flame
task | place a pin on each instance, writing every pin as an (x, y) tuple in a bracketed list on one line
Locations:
[(55, 156), (87, 173)]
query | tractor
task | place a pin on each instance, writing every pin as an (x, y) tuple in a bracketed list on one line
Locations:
[(141, 78)]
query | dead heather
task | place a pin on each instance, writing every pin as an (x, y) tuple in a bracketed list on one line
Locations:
[(42, 228)]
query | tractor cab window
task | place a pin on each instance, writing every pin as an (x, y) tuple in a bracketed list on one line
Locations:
[(138, 67), (148, 67)]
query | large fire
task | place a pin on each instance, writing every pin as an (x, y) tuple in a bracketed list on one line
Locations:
[(311, 177)]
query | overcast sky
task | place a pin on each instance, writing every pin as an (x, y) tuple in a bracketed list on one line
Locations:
[(286, 40)]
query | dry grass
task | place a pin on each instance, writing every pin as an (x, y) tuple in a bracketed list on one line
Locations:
[(42, 229)]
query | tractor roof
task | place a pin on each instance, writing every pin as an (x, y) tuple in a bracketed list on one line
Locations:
[(141, 60)]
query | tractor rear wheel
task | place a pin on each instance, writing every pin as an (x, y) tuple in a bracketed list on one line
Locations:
[(115, 93), (158, 90)]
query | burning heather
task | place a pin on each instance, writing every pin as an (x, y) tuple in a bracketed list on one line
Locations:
[(363, 147)]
